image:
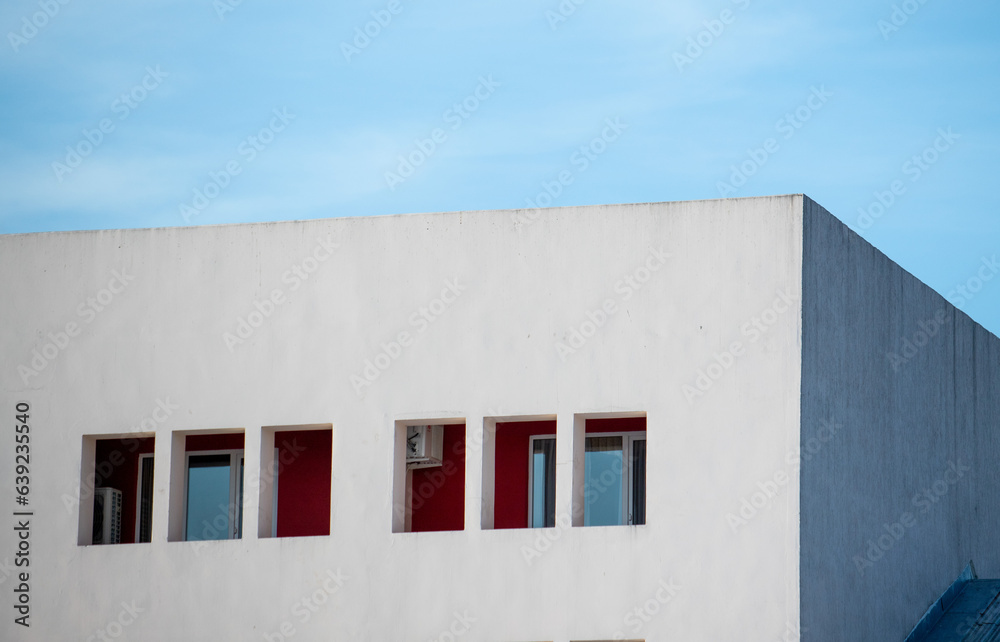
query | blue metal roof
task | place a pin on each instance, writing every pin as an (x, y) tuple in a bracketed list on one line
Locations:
[(971, 615)]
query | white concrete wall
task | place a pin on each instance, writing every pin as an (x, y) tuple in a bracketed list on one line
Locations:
[(905, 425), (491, 353)]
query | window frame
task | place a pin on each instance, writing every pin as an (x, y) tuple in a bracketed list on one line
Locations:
[(276, 470), (531, 477), (628, 437), (138, 497), (236, 469)]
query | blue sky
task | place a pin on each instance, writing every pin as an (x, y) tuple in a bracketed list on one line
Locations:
[(833, 100)]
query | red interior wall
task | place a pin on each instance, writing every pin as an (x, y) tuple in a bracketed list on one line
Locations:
[(123, 475), (225, 441), (510, 509), (617, 424), (305, 463), (438, 499)]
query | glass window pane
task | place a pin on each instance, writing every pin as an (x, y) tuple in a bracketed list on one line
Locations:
[(603, 466), (538, 489), (208, 510), (543, 483)]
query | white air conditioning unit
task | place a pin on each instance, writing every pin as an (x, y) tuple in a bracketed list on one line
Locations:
[(107, 516), (424, 445)]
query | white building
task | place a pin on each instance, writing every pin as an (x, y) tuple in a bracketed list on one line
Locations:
[(822, 429)]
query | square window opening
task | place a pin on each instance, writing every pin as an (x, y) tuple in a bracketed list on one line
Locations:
[(614, 472), (295, 492), (523, 473), (116, 490), (210, 477), (429, 476)]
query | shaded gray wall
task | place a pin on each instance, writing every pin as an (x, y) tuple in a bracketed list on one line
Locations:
[(887, 521)]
